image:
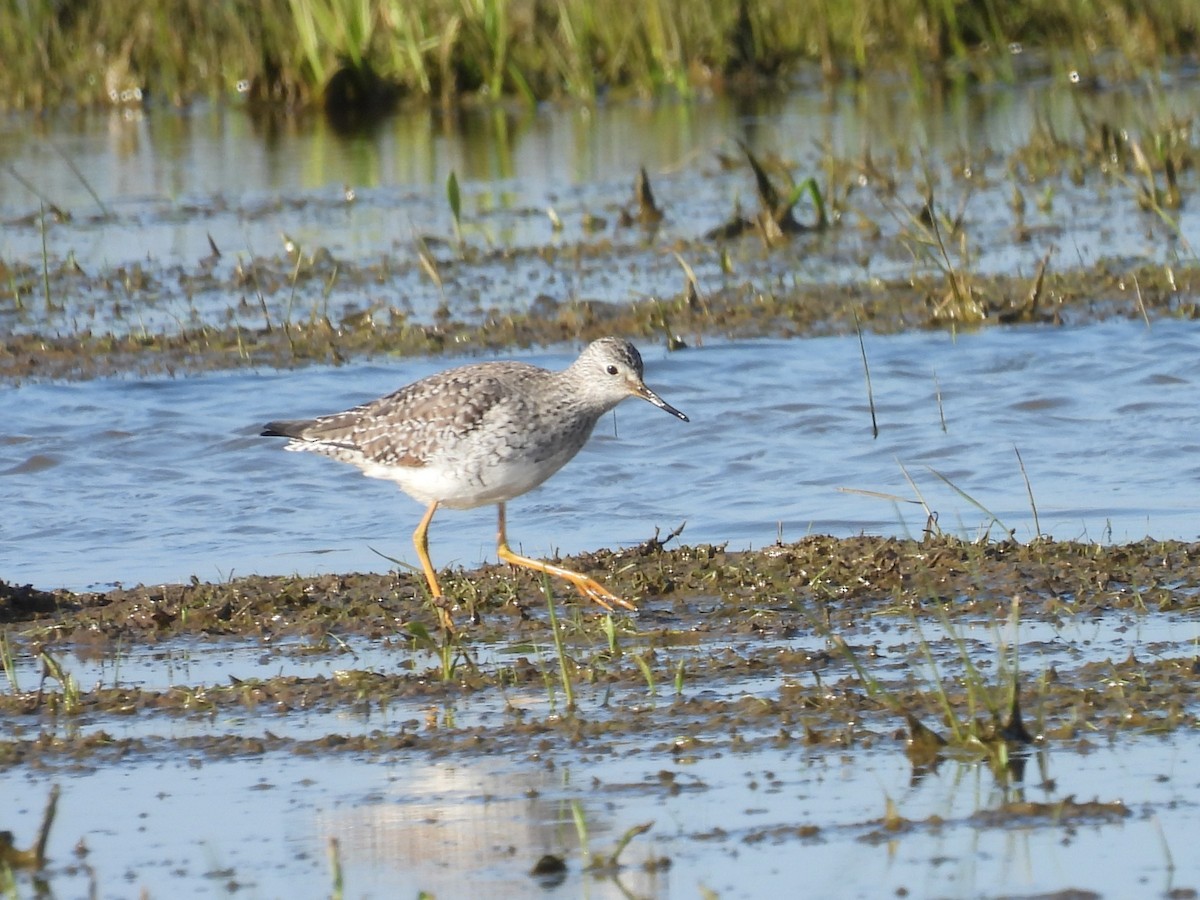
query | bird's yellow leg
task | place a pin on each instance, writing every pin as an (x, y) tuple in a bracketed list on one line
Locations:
[(591, 590), (421, 542)]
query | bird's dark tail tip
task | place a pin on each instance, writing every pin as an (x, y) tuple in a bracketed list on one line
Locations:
[(283, 429)]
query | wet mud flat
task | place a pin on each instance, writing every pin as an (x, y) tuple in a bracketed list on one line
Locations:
[(989, 657), (741, 311)]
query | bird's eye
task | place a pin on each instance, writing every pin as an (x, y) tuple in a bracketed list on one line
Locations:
[(611, 370)]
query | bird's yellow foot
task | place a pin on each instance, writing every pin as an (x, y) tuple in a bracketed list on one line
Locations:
[(595, 591)]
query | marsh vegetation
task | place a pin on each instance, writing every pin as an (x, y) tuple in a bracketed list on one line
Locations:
[(360, 54)]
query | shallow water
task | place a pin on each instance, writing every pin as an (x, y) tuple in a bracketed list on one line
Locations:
[(740, 819), (131, 481), (166, 182), (895, 642), (456, 827)]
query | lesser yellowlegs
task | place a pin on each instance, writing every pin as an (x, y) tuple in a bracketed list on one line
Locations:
[(480, 434)]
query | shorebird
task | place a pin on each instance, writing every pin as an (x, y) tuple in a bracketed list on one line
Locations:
[(481, 434)]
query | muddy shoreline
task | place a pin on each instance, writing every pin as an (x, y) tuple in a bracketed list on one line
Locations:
[(1070, 298), (709, 620)]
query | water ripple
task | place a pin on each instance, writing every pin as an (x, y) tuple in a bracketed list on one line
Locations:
[(154, 480)]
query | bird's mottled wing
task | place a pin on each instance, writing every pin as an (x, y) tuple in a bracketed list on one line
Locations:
[(412, 425)]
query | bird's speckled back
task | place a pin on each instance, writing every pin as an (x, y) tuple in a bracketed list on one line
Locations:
[(478, 433)]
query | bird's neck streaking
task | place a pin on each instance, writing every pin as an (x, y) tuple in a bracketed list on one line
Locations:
[(582, 401)]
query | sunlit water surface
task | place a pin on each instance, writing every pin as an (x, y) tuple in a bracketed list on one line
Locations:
[(736, 824), (131, 481), (744, 823), (145, 480)]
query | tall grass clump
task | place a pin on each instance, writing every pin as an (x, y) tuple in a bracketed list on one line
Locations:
[(362, 51)]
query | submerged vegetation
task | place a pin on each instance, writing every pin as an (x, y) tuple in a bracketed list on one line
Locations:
[(365, 53)]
